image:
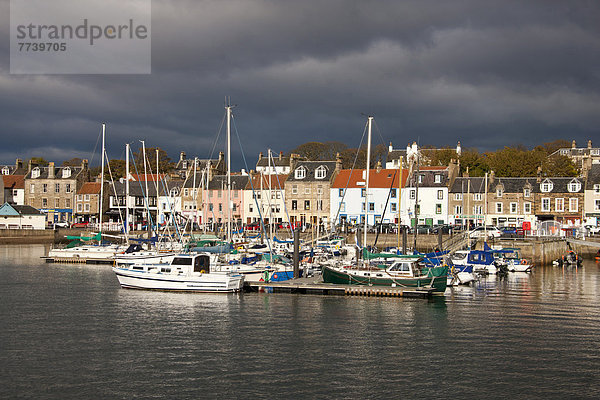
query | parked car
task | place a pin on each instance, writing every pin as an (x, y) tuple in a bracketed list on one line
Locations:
[(424, 228), (445, 228), (511, 231), (80, 225), (480, 232), (592, 229), (384, 227), (254, 226), (61, 224)]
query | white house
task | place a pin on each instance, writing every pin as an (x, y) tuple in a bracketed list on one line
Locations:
[(348, 193), (269, 195), (14, 216), (592, 196)]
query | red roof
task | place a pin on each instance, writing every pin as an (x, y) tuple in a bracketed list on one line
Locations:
[(277, 181), (14, 181), (151, 177), (435, 168), (381, 179), (90, 188)]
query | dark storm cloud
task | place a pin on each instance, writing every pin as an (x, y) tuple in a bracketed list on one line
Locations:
[(487, 73)]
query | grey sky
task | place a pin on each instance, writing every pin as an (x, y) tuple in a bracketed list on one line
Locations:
[(487, 73)]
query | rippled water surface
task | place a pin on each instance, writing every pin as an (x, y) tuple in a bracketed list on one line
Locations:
[(69, 331)]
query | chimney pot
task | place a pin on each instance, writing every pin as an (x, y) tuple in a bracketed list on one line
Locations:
[(51, 170)]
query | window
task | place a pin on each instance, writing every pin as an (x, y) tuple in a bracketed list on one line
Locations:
[(235, 194), (87, 207), (477, 210), (363, 207), (371, 206), (295, 189), (220, 207), (420, 178), (573, 204), (219, 193), (458, 196), (87, 197), (546, 186), (234, 207), (597, 188), (66, 172), (499, 192), (440, 195), (477, 197), (363, 192), (413, 194), (45, 188), (307, 190), (393, 207), (596, 205), (79, 207), (250, 207), (514, 208), (340, 192), (44, 202), (56, 203), (320, 172), (342, 207), (307, 204), (15, 192), (498, 208), (526, 192), (458, 210), (438, 208), (35, 173), (319, 189), (320, 205), (300, 173), (294, 204), (574, 186), (57, 188), (5, 171), (595, 152), (545, 204), (68, 188), (79, 197), (437, 178), (559, 205), (527, 208), (32, 188), (393, 193)]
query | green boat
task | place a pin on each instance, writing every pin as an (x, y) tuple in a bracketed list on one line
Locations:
[(402, 273)]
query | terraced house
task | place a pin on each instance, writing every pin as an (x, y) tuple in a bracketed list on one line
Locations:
[(466, 201), (512, 201), (592, 196), (265, 197), (307, 191), (52, 189), (559, 199)]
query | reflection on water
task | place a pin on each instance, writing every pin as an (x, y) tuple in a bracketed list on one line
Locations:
[(70, 331)]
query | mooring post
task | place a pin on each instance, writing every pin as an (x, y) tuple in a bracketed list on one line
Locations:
[(296, 258), (440, 239), (404, 239)]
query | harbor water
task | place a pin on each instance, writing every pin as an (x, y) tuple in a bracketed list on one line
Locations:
[(69, 331)]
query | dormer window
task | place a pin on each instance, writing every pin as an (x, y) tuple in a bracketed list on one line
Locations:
[(66, 172), (300, 173), (5, 171), (320, 172), (499, 191), (547, 186), (174, 192), (526, 192), (438, 178), (35, 173), (574, 186)]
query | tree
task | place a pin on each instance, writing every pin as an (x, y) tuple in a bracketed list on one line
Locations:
[(39, 161), (439, 156), (164, 162), (551, 147), (558, 165), (317, 151), (73, 162), (474, 162)]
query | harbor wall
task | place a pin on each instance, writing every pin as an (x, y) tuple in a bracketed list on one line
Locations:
[(27, 236)]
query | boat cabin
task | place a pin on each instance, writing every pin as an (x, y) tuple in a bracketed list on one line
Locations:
[(480, 257), (199, 262)]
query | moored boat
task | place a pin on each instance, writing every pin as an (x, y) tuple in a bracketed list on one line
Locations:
[(186, 272)]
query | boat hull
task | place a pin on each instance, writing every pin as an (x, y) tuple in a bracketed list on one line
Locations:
[(206, 283), (332, 275)]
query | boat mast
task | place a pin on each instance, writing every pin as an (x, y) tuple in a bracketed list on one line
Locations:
[(485, 218), (228, 108), (102, 178), (194, 196), (126, 189), (417, 201), (157, 202), (399, 203), (147, 196), (367, 182)]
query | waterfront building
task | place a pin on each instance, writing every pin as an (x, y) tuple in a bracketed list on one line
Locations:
[(185, 166), (559, 199), (307, 191), (12, 189), (348, 192), (169, 201), (265, 197), (413, 152), (52, 189), (582, 157), (13, 216), (512, 201), (215, 200), (592, 196), (87, 201), (142, 203), (433, 184), (466, 201), (280, 165)]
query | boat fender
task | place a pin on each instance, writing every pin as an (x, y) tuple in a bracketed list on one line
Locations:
[(524, 261), (202, 271)]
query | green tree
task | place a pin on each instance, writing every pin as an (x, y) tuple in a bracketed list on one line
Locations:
[(164, 162), (474, 162), (73, 162), (39, 161)]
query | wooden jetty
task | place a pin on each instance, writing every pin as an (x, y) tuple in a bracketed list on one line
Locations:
[(314, 286), (78, 260)]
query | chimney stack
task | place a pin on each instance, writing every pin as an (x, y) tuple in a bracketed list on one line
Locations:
[(589, 144), (492, 176), (573, 145), (390, 148), (260, 156), (51, 170), (19, 163), (338, 162), (182, 156), (378, 166), (539, 173), (280, 155)]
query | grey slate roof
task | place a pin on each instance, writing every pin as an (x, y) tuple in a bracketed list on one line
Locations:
[(515, 185), (238, 182), (27, 210), (593, 177), (138, 189), (462, 185), (310, 167), (428, 179), (395, 155), (58, 172)]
